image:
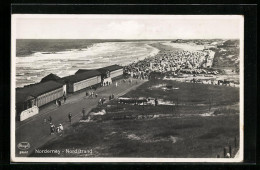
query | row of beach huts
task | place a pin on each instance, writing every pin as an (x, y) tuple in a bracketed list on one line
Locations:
[(52, 87)]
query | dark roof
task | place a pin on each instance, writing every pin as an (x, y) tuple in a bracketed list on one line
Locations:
[(22, 97), (50, 77), (82, 71), (81, 76), (66, 78), (36, 90), (110, 68)]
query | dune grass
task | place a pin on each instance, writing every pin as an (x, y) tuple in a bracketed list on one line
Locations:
[(120, 133), (189, 93), (201, 137)]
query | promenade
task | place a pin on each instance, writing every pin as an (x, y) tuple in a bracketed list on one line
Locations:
[(36, 132)]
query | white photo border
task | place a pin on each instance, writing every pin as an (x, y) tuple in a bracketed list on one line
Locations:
[(13, 157)]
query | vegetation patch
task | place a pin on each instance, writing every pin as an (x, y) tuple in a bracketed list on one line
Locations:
[(178, 132)]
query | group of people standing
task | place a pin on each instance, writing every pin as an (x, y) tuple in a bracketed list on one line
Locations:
[(91, 94), (58, 102), (53, 129), (101, 101), (112, 96), (59, 129)]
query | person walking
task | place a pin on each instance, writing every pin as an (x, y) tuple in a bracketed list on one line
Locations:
[(102, 101), (70, 116), (52, 128), (60, 129), (44, 121), (156, 102), (83, 113), (64, 98), (50, 119)]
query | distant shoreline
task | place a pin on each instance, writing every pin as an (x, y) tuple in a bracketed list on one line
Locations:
[(25, 47), (57, 45), (45, 48)]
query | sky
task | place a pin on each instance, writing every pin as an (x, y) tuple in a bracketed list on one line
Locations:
[(126, 26)]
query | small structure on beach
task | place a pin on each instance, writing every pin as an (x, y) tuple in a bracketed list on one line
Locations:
[(82, 80), (110, 73), (53, 87), (113, 71)]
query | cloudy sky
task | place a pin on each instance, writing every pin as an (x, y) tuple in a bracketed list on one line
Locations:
[(125, 26)]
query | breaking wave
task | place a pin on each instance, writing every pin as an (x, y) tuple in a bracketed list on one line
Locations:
[(67, 62)]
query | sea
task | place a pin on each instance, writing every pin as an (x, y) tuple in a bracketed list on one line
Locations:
[(31, 68)]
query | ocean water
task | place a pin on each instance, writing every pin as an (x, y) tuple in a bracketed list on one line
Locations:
[(32, 68)]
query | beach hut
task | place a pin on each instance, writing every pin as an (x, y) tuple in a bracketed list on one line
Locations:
[(54, 77), (31, 97), (82, 80), (113, 71)]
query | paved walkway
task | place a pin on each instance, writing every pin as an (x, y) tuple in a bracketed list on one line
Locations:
[(37, 133)]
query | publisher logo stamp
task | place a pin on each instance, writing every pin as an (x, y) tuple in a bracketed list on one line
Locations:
[(23, 146)]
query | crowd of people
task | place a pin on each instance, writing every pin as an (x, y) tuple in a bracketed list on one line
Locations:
[(190, 62)]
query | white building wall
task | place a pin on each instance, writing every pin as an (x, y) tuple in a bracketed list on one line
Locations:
[(29, 113), (116, 73), (86, 83), (50, 96)]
